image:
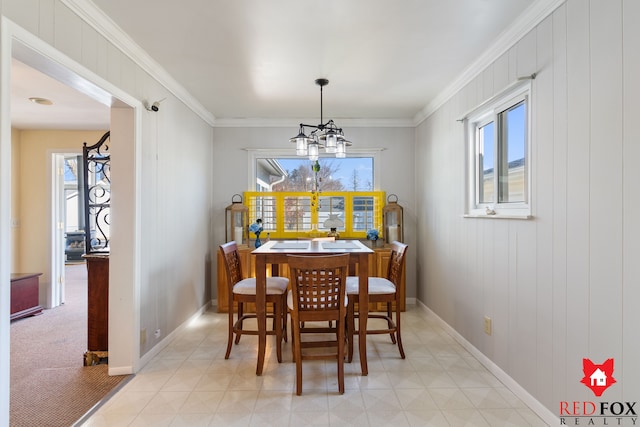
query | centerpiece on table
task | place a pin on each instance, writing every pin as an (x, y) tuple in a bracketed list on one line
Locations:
[(256, 228), (333, 223)]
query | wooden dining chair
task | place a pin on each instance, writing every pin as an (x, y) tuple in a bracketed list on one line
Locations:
[(318, 294), (381, 290), (243, 290)]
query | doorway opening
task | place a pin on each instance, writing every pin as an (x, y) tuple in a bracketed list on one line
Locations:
[(122, 114), (68, 213)]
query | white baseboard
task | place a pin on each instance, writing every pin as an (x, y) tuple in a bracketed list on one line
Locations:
[(545, 414), (155, 350), (120, 370)]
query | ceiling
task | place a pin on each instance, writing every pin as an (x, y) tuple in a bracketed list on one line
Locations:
[(256, 59), (70, 109)]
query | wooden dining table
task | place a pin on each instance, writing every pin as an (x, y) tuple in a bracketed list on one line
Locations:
[(275, 252)]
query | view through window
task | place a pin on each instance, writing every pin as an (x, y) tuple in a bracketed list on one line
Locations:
[(315, 193), (297, 174)]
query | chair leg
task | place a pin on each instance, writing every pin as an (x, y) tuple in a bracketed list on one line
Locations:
[(277, 325), (398, 329), (297, 354), (340, 355), (230, 333), (350, 330), (390, 322), (285, 312), (274, 321), (240, 326), (293, 340)]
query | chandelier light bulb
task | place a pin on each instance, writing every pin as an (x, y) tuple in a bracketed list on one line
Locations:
[(313, 152), (301, 146), (331, 141)]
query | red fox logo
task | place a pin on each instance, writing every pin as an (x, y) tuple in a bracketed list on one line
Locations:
[(597, 377)]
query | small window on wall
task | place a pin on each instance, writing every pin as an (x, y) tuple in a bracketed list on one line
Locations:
[(498, 147)]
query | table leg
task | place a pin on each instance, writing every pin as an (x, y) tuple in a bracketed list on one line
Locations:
[(261, 313), (363, 310)]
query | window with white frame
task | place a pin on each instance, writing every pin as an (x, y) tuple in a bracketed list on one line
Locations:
[(296, 195), (271, 169), (498, 147)]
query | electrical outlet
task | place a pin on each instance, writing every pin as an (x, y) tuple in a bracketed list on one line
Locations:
[(157, 333), (143, 337), (487, 325)]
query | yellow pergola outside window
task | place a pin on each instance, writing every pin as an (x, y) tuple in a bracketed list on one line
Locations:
[(289, 215)]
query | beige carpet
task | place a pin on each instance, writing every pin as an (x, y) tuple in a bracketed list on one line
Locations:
[(50, 386)]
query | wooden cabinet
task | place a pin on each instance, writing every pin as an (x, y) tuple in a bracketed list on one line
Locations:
[(378, 264), (25, 295), (97, 302)]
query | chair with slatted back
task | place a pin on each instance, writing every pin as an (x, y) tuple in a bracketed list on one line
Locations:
[(318, 294), (381, 290), (243, 290)]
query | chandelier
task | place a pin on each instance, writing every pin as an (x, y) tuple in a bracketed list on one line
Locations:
[(325, 135)]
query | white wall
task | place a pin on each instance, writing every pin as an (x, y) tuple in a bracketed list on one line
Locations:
[(175, 195), (231, 162), (562, 286)]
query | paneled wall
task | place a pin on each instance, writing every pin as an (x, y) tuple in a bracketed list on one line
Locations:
[(562, 286), (164, 167)]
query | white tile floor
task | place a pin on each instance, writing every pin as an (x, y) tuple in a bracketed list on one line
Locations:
[(191, 384)]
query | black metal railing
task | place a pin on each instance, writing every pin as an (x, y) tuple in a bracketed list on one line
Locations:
[(97, 195)]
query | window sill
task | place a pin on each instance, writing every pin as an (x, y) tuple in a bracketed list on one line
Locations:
[(497, 216)]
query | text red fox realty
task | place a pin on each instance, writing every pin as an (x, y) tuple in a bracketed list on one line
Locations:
[(598, 378)]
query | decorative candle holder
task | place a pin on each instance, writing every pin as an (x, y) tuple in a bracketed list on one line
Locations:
[(392, 220), (237, 221)]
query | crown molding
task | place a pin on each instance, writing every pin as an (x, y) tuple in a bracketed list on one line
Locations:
[(531, 17), (294, 122), (105, 26)]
